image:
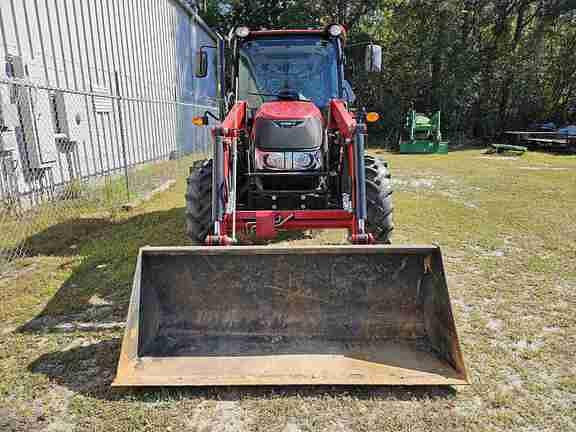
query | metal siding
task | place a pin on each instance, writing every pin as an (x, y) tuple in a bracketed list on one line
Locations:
[(69, 46), (12, 32)]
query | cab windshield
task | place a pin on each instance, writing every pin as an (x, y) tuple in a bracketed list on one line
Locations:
[(303, 66)]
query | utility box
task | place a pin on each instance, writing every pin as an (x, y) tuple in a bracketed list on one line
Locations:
[(8, 121), (70, 116), (32, 126), (14, 66), (35, 134)]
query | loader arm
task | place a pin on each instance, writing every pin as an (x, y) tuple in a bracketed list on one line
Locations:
[(341, 119), (235, 121), (353, 131), (224, 176), (265, 223)]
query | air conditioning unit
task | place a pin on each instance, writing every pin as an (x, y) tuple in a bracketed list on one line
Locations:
[(70, 116), (35, 134)]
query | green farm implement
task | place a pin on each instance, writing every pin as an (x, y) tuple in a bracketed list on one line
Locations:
[(422, 134)]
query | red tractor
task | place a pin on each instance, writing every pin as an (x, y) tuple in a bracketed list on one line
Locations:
[(289, 155)]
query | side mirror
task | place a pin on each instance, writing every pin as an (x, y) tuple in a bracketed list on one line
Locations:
[(201, 64), (373, 58)]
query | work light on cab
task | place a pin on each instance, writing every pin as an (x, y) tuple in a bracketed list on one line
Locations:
[(242, 31), (335, 30)]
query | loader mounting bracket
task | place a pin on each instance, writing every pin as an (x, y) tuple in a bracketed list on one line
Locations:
[(219, 241), (362, 239), (265, 227)]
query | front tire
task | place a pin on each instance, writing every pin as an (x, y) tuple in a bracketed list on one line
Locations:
[(379, 199), (199, 201)]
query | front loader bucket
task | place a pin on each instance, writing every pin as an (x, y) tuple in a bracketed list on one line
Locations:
[(268, 316)]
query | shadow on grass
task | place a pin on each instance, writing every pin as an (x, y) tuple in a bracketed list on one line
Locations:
[(63, 239), (102, 258), (89, 370)]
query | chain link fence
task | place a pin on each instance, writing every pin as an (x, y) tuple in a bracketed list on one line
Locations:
[(65, 154)]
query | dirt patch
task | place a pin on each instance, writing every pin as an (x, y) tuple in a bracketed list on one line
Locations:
[(403, 184), (542, 168), (291, 427), (59, 426), (222, 416), (453, 188), (502, 157), (494, 325), (74, 323)]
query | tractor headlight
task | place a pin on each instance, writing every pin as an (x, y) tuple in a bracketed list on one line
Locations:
[(270, 160), (287, 161), (274, 161), (335, 30), (306, 160)]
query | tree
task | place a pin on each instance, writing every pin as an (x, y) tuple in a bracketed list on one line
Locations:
[(488, 65)]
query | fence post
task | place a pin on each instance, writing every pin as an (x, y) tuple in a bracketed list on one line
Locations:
[(122, 138)]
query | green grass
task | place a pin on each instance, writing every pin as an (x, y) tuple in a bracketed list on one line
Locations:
[(507, 227)]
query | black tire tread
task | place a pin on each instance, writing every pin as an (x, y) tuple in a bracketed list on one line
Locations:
[(379, 199), (199, 201)]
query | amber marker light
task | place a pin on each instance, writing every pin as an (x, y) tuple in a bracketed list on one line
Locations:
[(198, 121), (372, 117)]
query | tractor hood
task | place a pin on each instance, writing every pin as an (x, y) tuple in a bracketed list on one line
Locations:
[(288, 125), (288, 110)]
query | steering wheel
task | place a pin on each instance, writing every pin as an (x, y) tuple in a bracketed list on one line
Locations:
[(288, 94)]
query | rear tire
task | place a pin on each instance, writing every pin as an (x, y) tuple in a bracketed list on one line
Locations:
[(199, 201), (379, 199)]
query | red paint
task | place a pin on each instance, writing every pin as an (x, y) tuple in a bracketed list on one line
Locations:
[(341, 119), (265, 229), (219, 241), (226, 171), (250, 215), (292, 220), (265, 221), (362, 239), (235, 120), (288, 110)]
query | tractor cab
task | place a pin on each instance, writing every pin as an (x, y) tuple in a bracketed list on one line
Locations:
[(289, 67), (288, 79)]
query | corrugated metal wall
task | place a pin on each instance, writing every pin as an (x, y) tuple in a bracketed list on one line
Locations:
[(106, 85)]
